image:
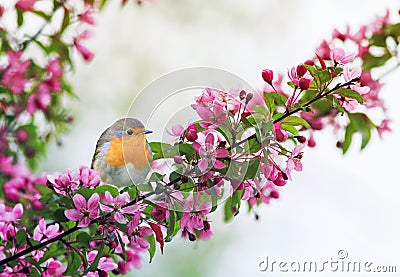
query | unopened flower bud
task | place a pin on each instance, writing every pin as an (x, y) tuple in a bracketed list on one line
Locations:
[(309, 62), (301, 70), (305, 83), (274, 194), (249, 97), (21, 135), (184, 179), (206, 225), (242, 94), (339, 144), (178, 159), (191, 134), (191, 236), (301, 139), (267, 75)]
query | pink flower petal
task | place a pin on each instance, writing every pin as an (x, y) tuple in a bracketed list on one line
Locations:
[(218, 164), (79, 201), (73, 214), (203, 164), (221, 153), (120, 218), (84, 222), (93, 202)]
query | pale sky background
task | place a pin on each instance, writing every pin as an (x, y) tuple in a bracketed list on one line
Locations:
[(337, 202)]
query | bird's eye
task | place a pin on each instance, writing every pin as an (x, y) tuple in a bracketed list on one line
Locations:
[(129, 132)]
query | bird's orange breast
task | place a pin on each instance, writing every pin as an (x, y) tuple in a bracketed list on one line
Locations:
[(128, 150)]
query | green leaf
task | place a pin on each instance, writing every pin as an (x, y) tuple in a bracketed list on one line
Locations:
[(20, 17), (378, 39), (323, 77), (261, 110), (225, 132), (290, 129), (21, 237), (42, 15), (252, 146), (214, 198), (83, 239), (349, 93), (295, 121), (253, 169), (59, 215), (228, 212), (152, 248), (85, 192), (171, 225), (66, 21), (394, 31), (74, 262), (112, 190), (273, 99), (359, 123), (371, 61)]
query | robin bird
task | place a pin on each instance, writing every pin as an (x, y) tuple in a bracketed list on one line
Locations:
[(123, 156)]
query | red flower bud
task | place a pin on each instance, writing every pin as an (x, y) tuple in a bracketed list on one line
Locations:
[(21, 135), (191, 134), (267, 75), (242, 94), (301, 70), (249, 97), (274, 194), (301, 139), (305, 83)]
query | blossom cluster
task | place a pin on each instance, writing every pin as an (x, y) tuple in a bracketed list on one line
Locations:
[(381, 36)]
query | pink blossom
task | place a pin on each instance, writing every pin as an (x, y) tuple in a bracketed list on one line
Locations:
[(53, 268), (3, 138), (353, 75), (177, 130), (209, 153), (280, 134), (159, 213), (8, 214), (40, 99), (26, 5), (212, 115), (115, 205), (13, 76), (105, 263), (340, 57), (84, 210), (86, 53), (383, 127), (132, 259), (294, 161), (66, 182), (138, 240), (87, 15), (89, 177), (41, 230)]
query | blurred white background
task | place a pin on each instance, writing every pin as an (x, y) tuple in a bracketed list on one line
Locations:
[(337, 202)]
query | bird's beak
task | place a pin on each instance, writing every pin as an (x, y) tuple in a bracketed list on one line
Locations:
[(147, 132)]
